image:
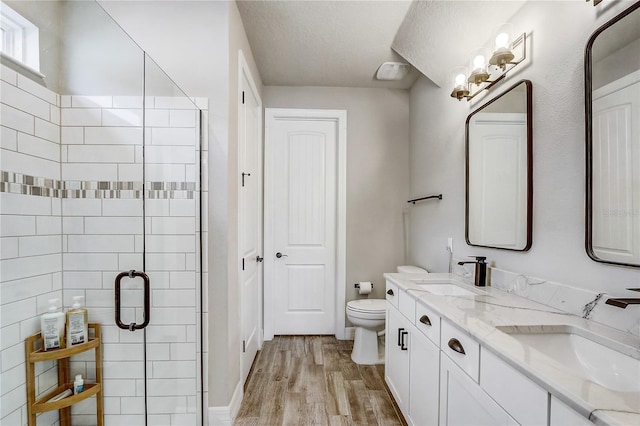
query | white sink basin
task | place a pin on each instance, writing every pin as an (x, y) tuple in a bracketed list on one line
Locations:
[(444, 288), (595, 358)]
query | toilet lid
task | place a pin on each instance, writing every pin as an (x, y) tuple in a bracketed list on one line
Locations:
[(368, 305)]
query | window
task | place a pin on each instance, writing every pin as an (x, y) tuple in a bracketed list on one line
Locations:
[(20, 38)]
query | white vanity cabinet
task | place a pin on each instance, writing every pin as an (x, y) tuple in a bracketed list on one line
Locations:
[(463, 402), (412, 369), (439, 374), (397, 357), (424, 374)]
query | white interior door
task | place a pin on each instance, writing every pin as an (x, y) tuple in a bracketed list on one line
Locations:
[(250, 218), (301, 223)]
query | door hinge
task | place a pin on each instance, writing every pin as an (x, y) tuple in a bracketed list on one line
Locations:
[(243, 264), (243, 97), (244, 346)]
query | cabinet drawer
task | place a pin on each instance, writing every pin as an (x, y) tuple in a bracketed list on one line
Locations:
[(525, 400), (428, 322), (407, 305), (391, 293), (453, 341)]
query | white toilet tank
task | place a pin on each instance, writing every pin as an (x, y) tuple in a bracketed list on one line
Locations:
[(410, 269)]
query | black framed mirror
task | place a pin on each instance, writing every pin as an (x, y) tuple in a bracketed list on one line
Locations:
[(499, 171), (612, 117)]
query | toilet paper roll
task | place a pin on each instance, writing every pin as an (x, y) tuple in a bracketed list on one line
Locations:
[(365, 287)]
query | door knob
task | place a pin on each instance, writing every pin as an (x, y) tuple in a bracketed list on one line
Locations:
[(259, 259), (279, 255)]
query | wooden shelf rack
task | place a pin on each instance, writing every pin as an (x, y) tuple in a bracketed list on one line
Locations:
[(64, 381)]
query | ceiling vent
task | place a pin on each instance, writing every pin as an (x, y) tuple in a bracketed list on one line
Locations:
[(392, 71)]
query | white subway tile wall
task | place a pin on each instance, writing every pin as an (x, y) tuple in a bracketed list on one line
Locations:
[(31, 260), (71, 199), (110, 240)]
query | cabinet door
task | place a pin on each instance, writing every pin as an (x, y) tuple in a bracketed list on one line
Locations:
[(397, 363), (424, 381), (563, 415), (463, 402), (525, 400)]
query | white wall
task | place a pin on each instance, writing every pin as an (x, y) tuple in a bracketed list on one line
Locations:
[(377, 175), (558, 33)]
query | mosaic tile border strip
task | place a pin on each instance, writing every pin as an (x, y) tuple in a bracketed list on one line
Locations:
[(18, 183)]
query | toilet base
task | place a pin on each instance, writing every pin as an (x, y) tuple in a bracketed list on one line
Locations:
[(366, 348)]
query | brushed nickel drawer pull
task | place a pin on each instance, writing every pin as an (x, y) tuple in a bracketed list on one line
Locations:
[(456, 345), (425, 320), (390, 292)]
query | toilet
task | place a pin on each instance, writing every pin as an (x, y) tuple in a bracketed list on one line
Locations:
[(368, 318), (410, 269)]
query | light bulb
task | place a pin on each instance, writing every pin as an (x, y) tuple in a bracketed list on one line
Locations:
[(459, 83), (502, 41), (478, 62)]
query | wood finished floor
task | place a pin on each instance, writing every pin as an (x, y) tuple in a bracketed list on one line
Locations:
[(311, 380)]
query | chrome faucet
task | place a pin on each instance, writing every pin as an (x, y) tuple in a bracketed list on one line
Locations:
[(481, 270), (623, 302)]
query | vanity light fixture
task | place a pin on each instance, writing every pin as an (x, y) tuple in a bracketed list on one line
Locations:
[(485, 68)]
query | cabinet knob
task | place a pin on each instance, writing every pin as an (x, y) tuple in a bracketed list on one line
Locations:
[(390, 292), (425, 320), (456, 345)]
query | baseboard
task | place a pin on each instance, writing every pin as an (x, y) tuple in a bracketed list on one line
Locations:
[(223, 416), (349, 333)]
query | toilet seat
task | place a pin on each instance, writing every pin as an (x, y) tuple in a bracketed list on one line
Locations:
[(368, 308)]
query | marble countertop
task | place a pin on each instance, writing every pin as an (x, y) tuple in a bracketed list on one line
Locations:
[(479, 315)]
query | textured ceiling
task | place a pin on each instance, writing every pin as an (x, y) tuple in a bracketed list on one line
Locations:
[(324, 43), (439, 35)]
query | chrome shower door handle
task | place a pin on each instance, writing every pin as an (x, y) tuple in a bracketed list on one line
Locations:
[(147, 304)]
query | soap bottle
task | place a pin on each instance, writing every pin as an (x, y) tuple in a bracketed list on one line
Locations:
[(77, 324), (52, 327), (78, 384)]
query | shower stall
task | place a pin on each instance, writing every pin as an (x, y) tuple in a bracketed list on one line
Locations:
[(100, 177)]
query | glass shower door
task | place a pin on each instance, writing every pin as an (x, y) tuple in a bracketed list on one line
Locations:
[(132, 240), (102, 204), (171, 249)]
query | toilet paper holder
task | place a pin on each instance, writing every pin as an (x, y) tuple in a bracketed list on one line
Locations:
[(357, 285)]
